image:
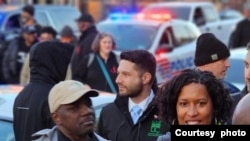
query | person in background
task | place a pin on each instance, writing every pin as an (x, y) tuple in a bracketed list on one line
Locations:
[(241, 35), (28, 19), (67, 35), (133, 116), (48, 66), (16, 53), (246, 89), (47, 33), (194, 97), (72, 111), (83, 47), (90, 71), (241, 115), (212, 55)]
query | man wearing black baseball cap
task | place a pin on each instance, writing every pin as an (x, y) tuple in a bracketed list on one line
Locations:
[(16, 53), (83, 47)]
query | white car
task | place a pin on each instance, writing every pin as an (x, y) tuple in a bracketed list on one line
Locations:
[(172, 42), (202, 13), (235, 73), (8, 94)]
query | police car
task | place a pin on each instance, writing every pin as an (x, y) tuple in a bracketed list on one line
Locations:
[(172, 42), (8, 94)]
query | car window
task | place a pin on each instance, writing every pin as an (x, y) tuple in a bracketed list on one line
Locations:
[(182, 34), (230, 14), (175, 12), (6, 131), (210, 14), (41, 18), (130, 36), (199, 18), (13, 23), (65, 17)]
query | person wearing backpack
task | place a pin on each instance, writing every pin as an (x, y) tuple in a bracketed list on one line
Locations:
[(99, 69)]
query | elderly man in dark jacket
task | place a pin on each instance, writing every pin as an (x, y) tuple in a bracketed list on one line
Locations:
[(48, 65), (88, 33)]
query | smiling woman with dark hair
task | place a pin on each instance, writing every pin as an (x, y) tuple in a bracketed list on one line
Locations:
[(194, 98)]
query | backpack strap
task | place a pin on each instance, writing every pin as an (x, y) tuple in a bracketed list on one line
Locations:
[(91, 59), (106, 74)]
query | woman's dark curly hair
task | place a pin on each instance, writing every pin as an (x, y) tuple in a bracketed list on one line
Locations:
[(170, 91)]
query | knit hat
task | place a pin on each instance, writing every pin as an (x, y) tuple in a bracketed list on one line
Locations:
[(209, 49), (67, 92), (67, 31)]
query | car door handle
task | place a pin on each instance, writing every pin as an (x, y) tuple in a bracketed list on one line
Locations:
[(219, 27), (207, 29)]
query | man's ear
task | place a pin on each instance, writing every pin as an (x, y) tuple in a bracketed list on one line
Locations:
[(146, 78), (56, 118)]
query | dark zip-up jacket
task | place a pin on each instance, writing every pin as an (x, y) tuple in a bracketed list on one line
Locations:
[(83, 47), (116, 124), (48, 64), (241, 35), (93, 75)]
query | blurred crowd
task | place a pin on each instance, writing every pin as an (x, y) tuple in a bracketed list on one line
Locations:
[(60, 72)]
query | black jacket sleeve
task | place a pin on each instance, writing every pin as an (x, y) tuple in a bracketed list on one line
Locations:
[(236, 36), (79, 73)]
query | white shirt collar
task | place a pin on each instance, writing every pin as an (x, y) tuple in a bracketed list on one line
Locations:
[(143, 105)]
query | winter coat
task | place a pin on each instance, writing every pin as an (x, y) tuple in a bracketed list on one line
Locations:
[(11, 63), (83, 47), (92, 75), (51, 135), (116, 124), (49, 62), (241, 35)]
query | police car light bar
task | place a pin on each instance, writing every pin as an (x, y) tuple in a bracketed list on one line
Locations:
[(121, 16), (158, 17)]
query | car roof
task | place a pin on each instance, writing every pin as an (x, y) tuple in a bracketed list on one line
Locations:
[(7, 98), (141, 22), (238, 53), (180, 3)]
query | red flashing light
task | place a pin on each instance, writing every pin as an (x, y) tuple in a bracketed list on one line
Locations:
[(158, 17)]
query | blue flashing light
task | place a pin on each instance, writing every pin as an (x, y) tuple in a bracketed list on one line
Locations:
[(121, 16), (2, 16), (122, 13)]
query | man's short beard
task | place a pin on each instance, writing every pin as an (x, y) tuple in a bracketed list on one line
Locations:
[(136, 92)]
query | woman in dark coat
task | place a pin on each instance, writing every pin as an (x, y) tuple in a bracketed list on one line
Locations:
[(90, 71)]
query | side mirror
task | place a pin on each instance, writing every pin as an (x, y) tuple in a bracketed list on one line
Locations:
[(164, 48)]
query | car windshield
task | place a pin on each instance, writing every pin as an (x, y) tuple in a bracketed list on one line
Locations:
[(2, 16), (176, 12), (67, 17), (235, 73), (6, 131), (130, 36)]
